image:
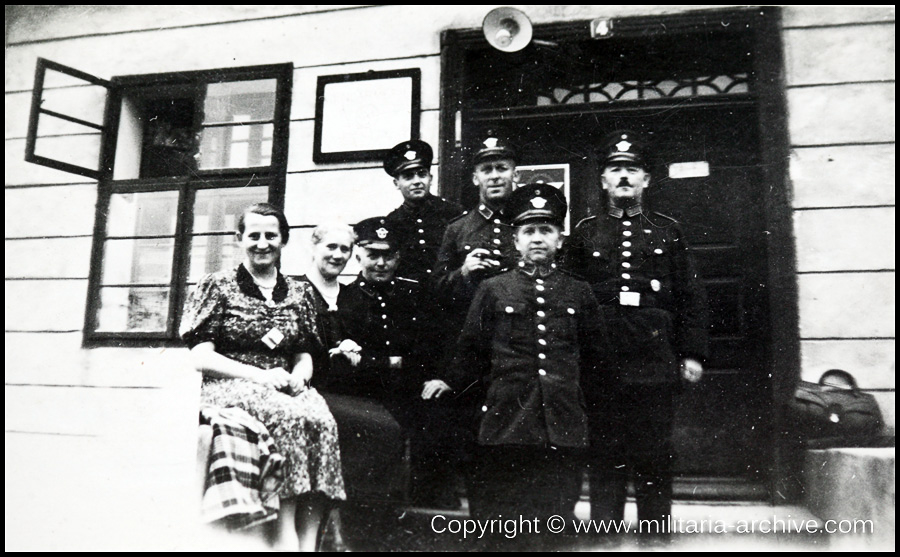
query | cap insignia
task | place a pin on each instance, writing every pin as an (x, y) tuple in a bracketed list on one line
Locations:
[(538, 202), (491, 142), (623, 146), (410, 155), (382, 233)]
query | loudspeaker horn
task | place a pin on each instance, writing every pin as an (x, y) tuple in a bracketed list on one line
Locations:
[(507, 29)]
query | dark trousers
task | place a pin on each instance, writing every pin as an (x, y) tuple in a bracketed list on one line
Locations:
[(531, 482), (631, 438), (436, 447)]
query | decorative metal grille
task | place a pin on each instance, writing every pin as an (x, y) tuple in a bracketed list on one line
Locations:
[(646, 90)]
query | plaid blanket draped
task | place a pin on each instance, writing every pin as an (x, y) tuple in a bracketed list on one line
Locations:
[(244, 472)]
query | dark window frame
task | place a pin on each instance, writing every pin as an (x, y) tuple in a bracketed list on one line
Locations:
[(118, 88)]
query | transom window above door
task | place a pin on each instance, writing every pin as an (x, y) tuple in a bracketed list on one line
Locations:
[(652, 67)]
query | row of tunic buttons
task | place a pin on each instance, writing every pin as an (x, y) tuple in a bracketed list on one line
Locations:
[(539, 286), (495, 241), (384, 316), (625, 253), (421, 231), (422, 240)]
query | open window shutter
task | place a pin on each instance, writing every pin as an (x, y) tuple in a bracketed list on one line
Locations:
[(66, 129)]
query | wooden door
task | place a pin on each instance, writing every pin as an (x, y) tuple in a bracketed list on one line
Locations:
[(695, 95)]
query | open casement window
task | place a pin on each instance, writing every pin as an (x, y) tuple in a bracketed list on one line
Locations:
[(177, 157), (66, 128)]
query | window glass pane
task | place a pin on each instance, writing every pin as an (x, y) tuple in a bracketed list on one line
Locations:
[(213, 253), (217, 210), (86, 102), (67, 142), (143, 214), (146, 261), (133, 309), (236, 146), (240, 101)]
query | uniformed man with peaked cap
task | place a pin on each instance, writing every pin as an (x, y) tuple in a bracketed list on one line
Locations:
[(529, 336), (423, 217), (639, 267), (390, 318), (478, 244)]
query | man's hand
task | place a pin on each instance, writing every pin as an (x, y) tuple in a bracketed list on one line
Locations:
[(434, 389), (479, 259), (691, 370)]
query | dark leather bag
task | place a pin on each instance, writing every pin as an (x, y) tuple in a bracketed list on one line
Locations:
[(835, 413)]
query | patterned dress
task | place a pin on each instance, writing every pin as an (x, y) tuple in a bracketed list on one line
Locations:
[(228, 310)]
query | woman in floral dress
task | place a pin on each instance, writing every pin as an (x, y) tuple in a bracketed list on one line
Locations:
[(251, 331)]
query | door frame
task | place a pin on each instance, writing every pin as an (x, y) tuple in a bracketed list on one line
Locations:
[(783, 354)]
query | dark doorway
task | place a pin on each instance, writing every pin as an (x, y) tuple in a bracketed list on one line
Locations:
[(693, 85)]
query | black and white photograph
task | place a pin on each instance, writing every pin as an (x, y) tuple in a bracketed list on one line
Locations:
[(450, 278)]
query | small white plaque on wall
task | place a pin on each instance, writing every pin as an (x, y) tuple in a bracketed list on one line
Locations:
[(696, 169)]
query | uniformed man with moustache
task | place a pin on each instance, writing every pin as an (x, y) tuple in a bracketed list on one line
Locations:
[(423, 217), (389, 325), (530, 335), (643, 275)]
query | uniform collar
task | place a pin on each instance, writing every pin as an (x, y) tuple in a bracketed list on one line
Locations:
[(617, 212), (248, 286), (532, 270), (424, 205), (486, 211), (375, 288)]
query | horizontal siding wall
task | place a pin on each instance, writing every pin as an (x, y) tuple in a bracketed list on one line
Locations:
[(134, 409), (840, 72), (840, 69)]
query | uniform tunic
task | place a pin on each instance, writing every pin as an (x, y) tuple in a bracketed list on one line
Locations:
[(387, 320), (530, 336), (228, 310), (642, 273), (422, 227), (480, 228)]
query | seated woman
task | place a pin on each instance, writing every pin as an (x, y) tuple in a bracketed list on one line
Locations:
[(371, 440), (332, 245), (251, 332)]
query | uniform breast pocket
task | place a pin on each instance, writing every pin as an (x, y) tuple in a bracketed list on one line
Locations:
[(598, 263), (562, 324), (511, 318)]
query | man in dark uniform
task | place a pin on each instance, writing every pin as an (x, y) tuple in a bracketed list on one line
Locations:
[(639, 267), (391, 320), (529, 336), (478, 245), (423, 217)]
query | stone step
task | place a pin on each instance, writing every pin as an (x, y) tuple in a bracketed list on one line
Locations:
[(852, 488)]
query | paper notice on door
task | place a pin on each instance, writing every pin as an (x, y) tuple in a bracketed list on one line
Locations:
[(697, 169)]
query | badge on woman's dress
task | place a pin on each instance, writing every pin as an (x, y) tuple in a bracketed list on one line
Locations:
[(273, 338)]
